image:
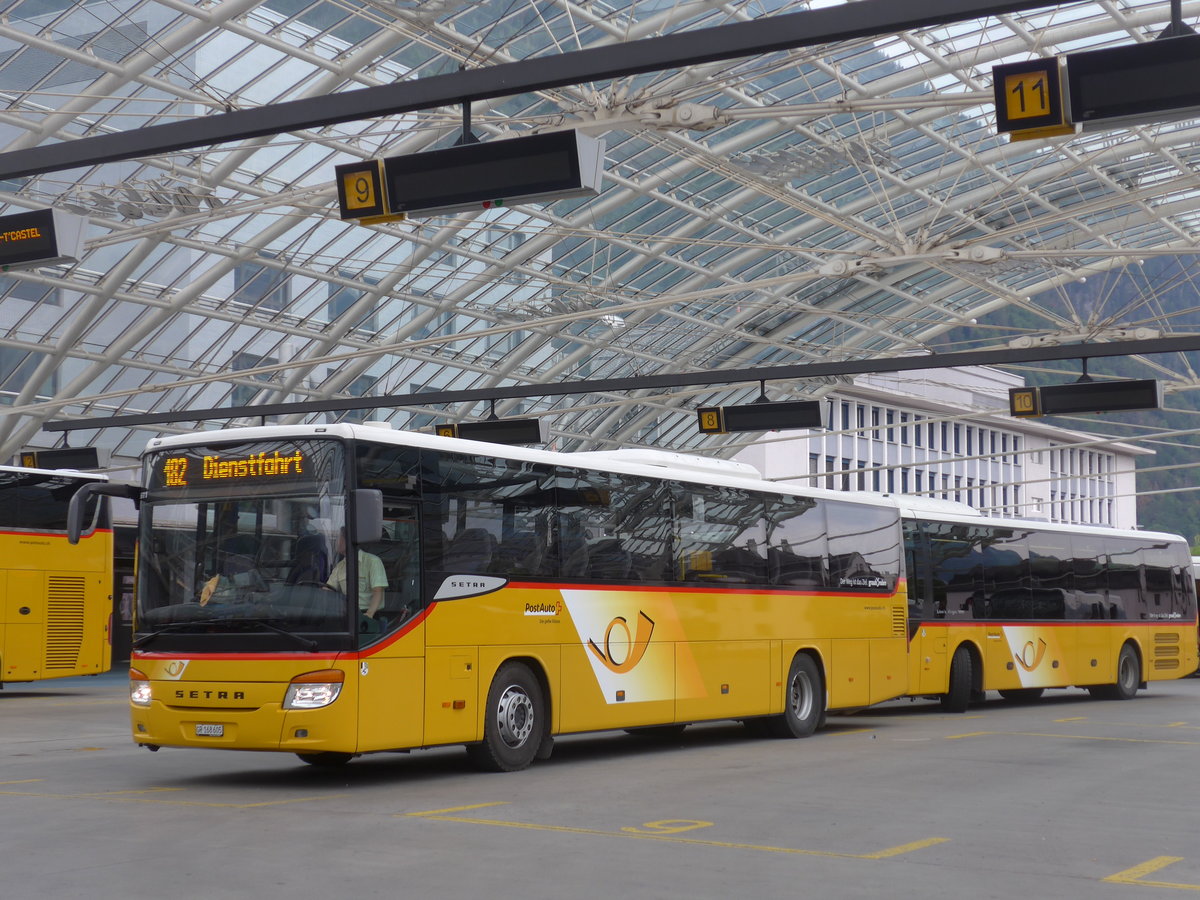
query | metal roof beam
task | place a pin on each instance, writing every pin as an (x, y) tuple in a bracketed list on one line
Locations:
[(1006, 356), (849, 21)]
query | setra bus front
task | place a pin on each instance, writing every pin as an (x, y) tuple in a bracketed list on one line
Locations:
[(246, 635)]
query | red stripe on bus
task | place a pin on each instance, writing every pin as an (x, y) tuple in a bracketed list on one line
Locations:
[(690, 589)]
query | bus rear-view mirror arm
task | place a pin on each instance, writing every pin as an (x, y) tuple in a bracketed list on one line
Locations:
[(78, 502), (368, 515)]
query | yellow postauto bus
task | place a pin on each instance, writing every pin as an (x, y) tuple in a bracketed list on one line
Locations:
[(1019, 606), (335, 590), (55, 597)]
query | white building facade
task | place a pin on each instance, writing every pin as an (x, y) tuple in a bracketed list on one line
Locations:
[(946, 433)]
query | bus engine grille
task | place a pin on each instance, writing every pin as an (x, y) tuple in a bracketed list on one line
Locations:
[(1166, 650), (64, 620)]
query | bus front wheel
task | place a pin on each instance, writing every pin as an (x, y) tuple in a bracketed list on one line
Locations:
[(958, 697), (514, 721), (803, 703)]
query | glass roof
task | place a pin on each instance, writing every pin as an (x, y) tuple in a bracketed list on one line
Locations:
[(846, 201)]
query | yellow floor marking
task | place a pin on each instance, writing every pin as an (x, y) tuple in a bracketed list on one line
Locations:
[(905, 848), (139, 796), (852, 731), (1187, 725), (660, 836), (454, 809), (1137, 874), (1073, 737), (668, 826), (23, 781)]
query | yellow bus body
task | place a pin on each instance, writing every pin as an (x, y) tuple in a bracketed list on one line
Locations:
[(607, 657), (55, 605), (1029, 656)]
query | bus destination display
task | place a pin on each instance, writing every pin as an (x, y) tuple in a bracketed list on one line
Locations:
[(42, 237), (195, 470)]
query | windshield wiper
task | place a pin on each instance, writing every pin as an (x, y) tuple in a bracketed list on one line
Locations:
[(306, 643), (170, 626)]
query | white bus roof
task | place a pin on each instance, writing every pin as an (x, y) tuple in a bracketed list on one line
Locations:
[(646, 462), (61, 473)]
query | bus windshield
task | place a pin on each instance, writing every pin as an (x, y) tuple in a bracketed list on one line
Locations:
[(241, 541), (33, 500)]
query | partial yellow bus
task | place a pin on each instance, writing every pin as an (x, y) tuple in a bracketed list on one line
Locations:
[(55, 597), (1020, 607), (337, 590)]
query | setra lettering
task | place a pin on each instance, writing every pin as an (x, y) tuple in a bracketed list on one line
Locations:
[(210, 695)]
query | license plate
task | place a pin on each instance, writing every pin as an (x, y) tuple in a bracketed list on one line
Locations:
[(205, 730)]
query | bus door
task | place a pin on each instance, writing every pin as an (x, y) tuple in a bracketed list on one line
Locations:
[(391, 670), (1005, 589), (946, 591)]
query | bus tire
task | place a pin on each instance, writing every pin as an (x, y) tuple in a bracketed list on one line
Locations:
[(1021, 695), (1129, 675), (514, 721), (958, 697), (803, 701), (326, 760)]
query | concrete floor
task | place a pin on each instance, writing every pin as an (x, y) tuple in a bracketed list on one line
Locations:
[(1069, 797)]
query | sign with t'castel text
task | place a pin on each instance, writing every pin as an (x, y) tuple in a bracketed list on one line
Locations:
[(42, 237)]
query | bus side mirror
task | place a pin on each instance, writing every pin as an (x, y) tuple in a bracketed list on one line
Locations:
[(77, 505), (368, 515)]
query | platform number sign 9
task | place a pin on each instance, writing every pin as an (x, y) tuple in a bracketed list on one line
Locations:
[(360, 190)]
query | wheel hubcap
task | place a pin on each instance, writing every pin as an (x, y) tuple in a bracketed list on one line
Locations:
[(1127, 676), (801, 696), (514, 716)]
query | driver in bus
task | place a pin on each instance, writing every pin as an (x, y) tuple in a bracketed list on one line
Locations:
[(372, 578)]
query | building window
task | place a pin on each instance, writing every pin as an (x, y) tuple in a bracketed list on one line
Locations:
[(17, 289), (343, 299), (362, 386), (16, 371), (243, 394), (260, 286)]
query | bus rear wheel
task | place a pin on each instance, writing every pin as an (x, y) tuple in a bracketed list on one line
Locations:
[(803, 702), (958, 697), (514, 721), (1129, 676)]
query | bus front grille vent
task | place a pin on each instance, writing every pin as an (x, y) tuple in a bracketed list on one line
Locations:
[(64, 621), (899, 621)]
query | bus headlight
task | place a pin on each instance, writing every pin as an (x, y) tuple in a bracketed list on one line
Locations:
[(139, 688), (314, 689)]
